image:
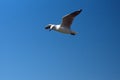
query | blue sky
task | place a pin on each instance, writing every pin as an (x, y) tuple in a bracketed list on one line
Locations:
[(28, 52)]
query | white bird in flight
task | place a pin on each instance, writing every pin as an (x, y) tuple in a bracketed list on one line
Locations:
[(64, 27)]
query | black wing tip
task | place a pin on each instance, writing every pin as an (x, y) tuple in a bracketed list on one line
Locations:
[(80, 10)]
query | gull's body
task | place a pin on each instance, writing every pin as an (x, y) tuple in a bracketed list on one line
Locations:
[(61, 29), (64, 27)]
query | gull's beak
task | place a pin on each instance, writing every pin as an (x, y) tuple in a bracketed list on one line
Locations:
[(47, 27)]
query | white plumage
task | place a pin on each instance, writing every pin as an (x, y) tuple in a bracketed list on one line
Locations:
[(64, 27)]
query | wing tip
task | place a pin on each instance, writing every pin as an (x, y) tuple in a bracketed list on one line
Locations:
[(80, 10)]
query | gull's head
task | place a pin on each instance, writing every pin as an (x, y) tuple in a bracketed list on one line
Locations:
[(50, 27)]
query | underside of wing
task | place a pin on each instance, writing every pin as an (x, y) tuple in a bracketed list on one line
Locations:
[(68, 19)]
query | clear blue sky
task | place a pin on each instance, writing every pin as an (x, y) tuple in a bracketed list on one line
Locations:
[(28, 52)]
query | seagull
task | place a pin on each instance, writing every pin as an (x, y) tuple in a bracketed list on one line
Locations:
[(64, 27)]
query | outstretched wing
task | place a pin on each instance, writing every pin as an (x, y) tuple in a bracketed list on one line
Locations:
[(67, 20)]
